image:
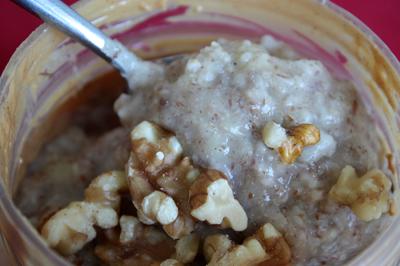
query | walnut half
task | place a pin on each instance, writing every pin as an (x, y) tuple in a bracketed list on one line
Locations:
[(368, 196)]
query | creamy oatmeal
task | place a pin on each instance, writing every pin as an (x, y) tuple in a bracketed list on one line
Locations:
[(278, 148)]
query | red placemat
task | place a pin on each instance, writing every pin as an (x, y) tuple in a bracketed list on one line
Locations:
[(381, 16)]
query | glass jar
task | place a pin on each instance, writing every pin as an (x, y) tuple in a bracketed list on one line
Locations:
[(49, 67)]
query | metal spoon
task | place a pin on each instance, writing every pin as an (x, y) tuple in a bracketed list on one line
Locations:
[(137, 72)]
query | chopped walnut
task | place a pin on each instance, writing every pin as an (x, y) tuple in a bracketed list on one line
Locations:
[(139, 244), (157, 174), (134, 244), (266, 247), (212, 200), (139, 185), (290, 144), (274, 244), (160, 207), (186, 248), (111, 254), (143, 218), (156, 149), (299, 137), (131, 228), (140, 188), (106, 189), (251, 252), (185, 251), (177, 180), (307, 134), (182, 226), (154, 152), (368, 196), (161, 182), (71, 228), (215, 246), (273, 135)]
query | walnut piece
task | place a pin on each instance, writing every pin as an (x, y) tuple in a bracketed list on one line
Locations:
[(185, 251), (299, 137), (251, 252), (156, 148), (138, 244), (158, 206), (71, 228), (131, 228), (307, 134), (161, 181), (215, 246), (134, 244), (182, 226), (275, 245), (106, 189), (212, 200), (290, 144), (156, 165), (139, 185), (186, 248), (266, 247), (368, 196), (273, 135), (113, 255)]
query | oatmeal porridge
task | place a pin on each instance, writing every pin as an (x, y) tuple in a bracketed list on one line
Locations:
[(243, 154)]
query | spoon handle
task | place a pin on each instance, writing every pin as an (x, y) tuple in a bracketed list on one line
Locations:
[(64, 18)]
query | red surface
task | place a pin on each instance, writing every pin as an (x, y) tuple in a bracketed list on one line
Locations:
[(381, 16)]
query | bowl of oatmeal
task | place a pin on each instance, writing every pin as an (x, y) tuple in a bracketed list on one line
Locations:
[(271, 138)]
